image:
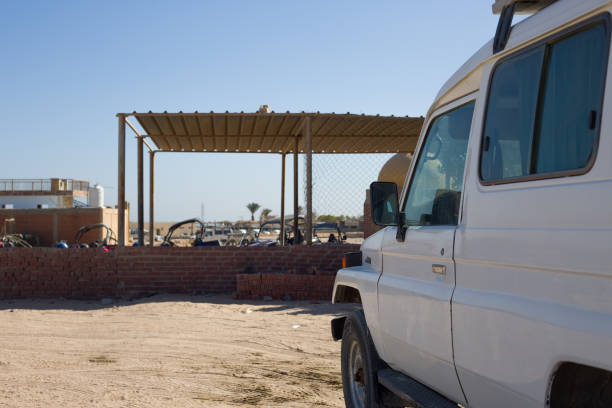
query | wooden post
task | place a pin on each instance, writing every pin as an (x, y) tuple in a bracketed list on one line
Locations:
[(308, 142), (121, 182), (152, 198), (282, 209), (140, 191), (295, 192)]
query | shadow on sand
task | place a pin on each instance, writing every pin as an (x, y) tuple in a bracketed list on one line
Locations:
[(289, 307)]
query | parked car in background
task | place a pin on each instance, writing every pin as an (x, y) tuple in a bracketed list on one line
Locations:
[(200, 238), (266, 234), (328, 232)]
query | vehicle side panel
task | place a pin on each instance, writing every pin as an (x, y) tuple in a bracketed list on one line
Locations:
[(534, 280)]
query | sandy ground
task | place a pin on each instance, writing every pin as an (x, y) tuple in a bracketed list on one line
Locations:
[(169, 351)]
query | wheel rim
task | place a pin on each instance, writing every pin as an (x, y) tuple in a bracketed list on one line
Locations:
[(357, 376)]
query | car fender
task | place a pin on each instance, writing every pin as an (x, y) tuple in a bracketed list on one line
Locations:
[(364, 280)]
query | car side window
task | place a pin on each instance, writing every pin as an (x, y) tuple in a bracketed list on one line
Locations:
[(510, 116), (434, 192), (544, 107)]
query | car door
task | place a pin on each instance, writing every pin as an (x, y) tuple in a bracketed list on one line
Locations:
[(418, 276)]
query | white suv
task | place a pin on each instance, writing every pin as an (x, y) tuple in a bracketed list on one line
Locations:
[(491, 285)]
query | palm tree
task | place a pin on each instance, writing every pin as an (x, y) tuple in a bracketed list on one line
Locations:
[(265, 213), (253, 207)]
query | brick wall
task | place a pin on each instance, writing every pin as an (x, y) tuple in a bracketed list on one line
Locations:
[(138, 271), (285, 286)]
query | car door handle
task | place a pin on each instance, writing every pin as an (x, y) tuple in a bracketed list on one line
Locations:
[(439, 269)]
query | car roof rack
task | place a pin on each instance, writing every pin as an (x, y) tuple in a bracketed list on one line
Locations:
[(506, 10), (521, 6)]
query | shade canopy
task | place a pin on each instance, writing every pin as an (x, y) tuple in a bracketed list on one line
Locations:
[(277, 132)]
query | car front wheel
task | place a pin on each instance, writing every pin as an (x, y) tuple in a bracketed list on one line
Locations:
[(360, 365), (358, 356)]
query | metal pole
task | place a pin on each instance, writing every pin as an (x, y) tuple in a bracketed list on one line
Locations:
[(308, 140), (140, 192), (121, 183), (295, 192), (151, 198), (282, 209)]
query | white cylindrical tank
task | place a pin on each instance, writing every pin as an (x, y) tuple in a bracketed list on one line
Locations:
[(96, 196)]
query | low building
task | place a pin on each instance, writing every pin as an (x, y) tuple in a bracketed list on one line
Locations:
[(43, 193), (53, 210)]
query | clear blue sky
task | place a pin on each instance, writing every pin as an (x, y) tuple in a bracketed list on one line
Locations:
[(69, 66)]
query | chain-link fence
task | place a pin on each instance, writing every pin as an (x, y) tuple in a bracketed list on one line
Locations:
[(339, 183), (221, 187)]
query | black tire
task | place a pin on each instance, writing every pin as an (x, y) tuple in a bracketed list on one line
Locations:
[(360, 379), (578, 386)]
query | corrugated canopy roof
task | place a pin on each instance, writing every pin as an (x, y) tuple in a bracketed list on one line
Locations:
[(276, 132)]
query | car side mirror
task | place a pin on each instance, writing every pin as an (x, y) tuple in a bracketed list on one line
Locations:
[(384, 203)]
